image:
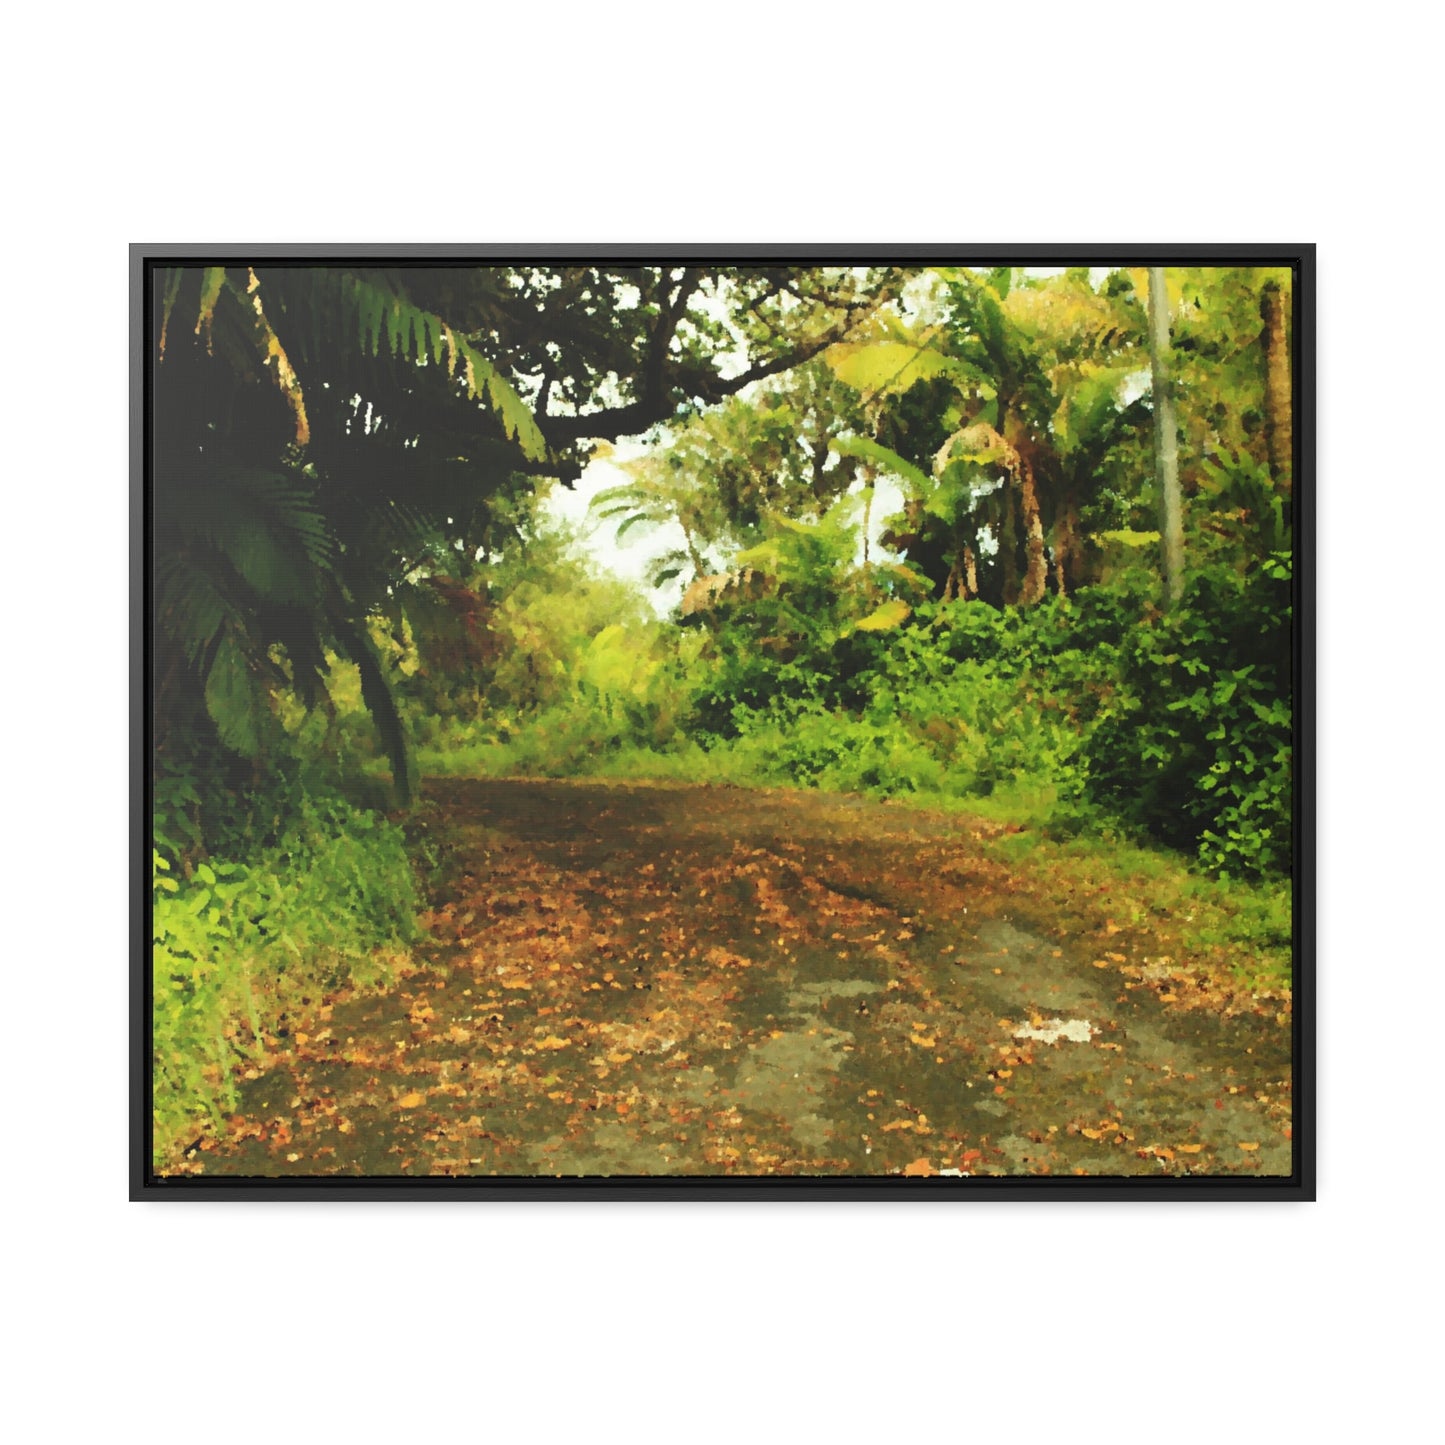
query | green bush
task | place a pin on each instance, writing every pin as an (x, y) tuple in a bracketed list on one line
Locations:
[(1197, 744), (239, 942)]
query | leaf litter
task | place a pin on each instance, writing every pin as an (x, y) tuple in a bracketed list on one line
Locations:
[(654, 981)]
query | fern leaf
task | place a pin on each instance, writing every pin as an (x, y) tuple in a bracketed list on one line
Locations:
[(865, 449), (381, 703), (213, 278), (190, 607), (173, 277), (235, 699)]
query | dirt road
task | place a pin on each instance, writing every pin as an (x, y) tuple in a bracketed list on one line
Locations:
[(636, 980)]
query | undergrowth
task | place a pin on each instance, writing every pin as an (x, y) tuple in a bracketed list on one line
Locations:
[(324, 898)]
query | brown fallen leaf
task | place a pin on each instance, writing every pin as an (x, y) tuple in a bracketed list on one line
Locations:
[(920, 1168)]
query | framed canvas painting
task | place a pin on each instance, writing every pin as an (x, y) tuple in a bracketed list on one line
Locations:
[(757, 722)]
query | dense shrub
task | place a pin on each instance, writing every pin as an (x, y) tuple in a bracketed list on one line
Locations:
[(318, 899), (1196, 745)]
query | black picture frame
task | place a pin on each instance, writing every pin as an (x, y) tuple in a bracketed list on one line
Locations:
[(1300, 1185)]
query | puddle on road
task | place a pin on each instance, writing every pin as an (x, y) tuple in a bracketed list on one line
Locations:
[(786, 1074), (814, 994)]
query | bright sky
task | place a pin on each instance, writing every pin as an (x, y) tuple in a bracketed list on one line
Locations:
[(631, 557)]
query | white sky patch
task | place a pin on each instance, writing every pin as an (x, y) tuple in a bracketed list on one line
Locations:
[(630, 558), (888, 497)]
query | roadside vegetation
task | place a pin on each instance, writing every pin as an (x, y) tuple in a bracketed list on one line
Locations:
[(923, 541)]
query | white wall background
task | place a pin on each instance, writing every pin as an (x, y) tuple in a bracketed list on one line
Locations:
[(739, 122)]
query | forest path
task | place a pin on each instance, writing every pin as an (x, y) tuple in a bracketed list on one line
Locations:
[(626, 979)]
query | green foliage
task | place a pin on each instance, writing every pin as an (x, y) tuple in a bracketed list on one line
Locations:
[(239, 943), (351, 570), (1196, 744)]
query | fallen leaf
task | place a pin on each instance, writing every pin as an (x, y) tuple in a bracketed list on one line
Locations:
[(1249, 1146), (1189, 1148), (920, 1168), (411, 1100)]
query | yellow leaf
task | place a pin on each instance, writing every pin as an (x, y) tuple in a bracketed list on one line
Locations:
[(1249, 1146), (411, 1100), (1100, 963), (922, 1042), (552, 1042), (890, 614), (1092, 1133), (1189, 1148), (920, 1168), (618, 1058)]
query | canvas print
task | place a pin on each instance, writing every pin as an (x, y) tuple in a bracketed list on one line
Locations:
[(689, 720)]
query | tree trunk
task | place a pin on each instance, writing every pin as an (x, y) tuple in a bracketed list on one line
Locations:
[(970, 572), (1067, 561), (870, 476), (1036, 576), (1278, 407), (1166, 440), (1008, 543)]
